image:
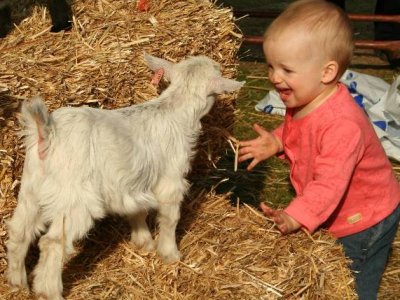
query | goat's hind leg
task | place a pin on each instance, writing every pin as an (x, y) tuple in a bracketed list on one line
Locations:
[(56, 246), (47, 283), (23, 227)]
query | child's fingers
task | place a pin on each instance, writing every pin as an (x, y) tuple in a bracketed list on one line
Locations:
[(259, 129), (253, 163), (245, 157), (246, 143), (280, 223), (283, 228), (276, 217), (245, 154), (266, 209), (245, 150)]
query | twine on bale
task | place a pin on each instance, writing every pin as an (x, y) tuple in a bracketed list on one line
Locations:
[(228, 252)]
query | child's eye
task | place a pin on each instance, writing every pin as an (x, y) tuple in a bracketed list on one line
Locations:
[(288, 71)]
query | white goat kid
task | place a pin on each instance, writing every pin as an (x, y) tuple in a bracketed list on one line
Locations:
[(82, 163)]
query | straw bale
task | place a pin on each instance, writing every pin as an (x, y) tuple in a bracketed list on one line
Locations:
[(228, 252), (100, 62)]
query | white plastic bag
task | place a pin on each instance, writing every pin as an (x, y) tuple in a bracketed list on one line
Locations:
[(271, 104)]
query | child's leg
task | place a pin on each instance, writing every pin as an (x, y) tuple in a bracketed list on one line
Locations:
[(369, 251)]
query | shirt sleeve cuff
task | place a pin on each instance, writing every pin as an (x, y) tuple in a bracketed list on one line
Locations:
[(299, 212)]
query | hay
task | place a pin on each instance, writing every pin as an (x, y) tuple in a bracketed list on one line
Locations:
[(228, 252), (100, 62)]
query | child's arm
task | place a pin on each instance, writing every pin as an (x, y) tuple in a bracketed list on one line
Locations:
[(260, 148), (285, 223)]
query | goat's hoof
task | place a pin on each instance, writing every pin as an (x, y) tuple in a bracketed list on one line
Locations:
[(171, 257), (149, 247), (46, 292), (17, 281), (146, 245), (43, 296), (15, 288)]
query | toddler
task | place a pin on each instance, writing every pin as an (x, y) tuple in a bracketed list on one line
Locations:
[(343, 180)]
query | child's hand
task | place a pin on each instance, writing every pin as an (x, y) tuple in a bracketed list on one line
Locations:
[(260, 148), (285, 223)]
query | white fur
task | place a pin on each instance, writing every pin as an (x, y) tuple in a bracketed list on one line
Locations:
[(83, 163)]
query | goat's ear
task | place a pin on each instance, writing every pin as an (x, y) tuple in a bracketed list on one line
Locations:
[(156, 63), (219, 85)]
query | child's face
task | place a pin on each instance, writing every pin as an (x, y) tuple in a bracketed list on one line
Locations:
[(295, 68)]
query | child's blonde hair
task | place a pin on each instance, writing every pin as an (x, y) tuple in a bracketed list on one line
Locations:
[(327, 24)]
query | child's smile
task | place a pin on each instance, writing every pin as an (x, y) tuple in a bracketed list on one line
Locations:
[(284, 93)]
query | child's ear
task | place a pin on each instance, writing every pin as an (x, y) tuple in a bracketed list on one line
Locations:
[(330, 72)]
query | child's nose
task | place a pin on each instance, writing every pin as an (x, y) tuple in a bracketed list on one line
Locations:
[(274, 77)]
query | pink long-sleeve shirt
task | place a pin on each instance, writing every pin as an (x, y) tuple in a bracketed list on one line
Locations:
[(342, 176)]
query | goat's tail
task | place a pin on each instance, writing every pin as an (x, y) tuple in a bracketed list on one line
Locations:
[(38, 125)]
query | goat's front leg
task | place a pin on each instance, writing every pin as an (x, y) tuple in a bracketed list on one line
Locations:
[(140, 234), (169, 193), (23, 227), (168, 217)]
